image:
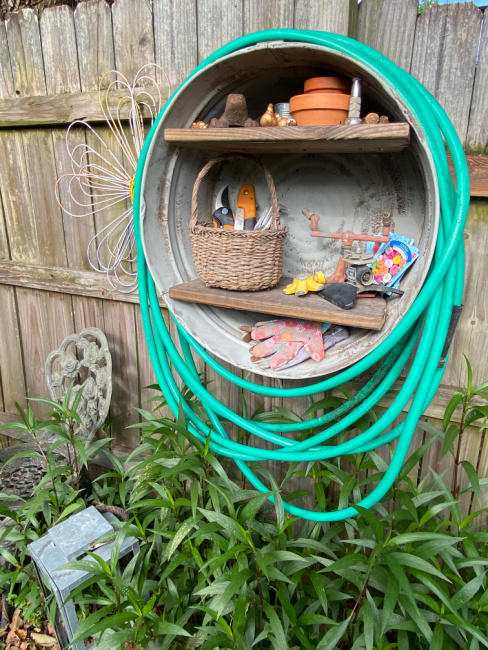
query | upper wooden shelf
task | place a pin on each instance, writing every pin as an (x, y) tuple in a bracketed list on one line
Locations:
[(368, 138)]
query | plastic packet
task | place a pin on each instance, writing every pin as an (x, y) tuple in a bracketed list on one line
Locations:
[(392, 259)]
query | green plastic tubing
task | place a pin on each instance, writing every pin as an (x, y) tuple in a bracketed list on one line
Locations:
[(425, 324)]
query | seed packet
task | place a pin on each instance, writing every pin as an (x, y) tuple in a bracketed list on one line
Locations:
[(392, 259)]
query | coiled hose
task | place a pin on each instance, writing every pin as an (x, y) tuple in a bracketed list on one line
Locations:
[(425, 324)]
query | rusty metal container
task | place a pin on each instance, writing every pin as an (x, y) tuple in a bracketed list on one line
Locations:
[(350, 191)]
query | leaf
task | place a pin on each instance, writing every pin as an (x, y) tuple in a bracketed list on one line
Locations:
[(235, 583), (373, 522), (451, 435), (406, 538), (228, 525), (179, 536), (115, 640), (473, 478), (44, 639), (466, 593), (411, 561), (90, 621), (276, 628), (252, 507), (474, 414), (451, 407), (470, 375), (165, 627), (327, 402), (389, 602), (333, 636), (73, 507), (368, 625), (83, 565)]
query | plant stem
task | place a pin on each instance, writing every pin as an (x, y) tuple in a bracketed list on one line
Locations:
[(261, 604), (77, 469), (457, 487)]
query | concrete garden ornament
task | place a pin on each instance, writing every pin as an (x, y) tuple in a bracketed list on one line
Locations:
[(102, 177)]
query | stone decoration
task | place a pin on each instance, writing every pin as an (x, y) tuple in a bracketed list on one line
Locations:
[(83, 361)]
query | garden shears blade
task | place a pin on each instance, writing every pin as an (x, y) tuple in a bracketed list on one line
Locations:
[(246, 208), (222, 216)]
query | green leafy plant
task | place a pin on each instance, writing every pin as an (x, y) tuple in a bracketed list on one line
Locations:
[(220, 566), (57, 495)]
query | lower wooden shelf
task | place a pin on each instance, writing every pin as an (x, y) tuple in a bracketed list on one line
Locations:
[(367, 313)]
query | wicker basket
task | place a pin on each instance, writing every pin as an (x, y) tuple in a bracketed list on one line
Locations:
[(239, 260)]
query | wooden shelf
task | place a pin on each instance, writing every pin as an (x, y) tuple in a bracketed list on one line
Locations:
[(367, 313), (367, 138)]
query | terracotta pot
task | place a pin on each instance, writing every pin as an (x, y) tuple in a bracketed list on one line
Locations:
[(328, 85), (315, 109)]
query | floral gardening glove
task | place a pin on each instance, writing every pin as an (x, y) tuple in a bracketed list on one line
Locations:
[(282, 339), (330, 337)]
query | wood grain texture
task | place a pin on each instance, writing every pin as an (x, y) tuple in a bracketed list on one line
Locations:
[(478, 122), (336, 16), (478, 174), (120, 328), (4, 247), (389, 27), (6, 81), (471, 337), (44, 321), (56, 109), (59, 50), (442, 31), (90, 284), (373, 138), (369, 313), (12, 382), (133, 35), (267, 15), (175, 39), (11, 362), (219, 22), (24, 45), (93, 21), (133, 42)]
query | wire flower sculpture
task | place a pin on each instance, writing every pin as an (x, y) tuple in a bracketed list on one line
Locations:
[(103, 180)]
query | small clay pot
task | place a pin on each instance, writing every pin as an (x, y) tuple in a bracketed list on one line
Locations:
[(316, 109), (328, 85)]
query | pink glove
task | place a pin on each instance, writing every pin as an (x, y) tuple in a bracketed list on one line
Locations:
[(283, 338)]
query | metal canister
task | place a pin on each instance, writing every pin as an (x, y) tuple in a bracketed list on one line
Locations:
[(283, 109)]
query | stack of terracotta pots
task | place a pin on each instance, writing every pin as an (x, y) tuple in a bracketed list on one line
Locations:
[(325, 102)]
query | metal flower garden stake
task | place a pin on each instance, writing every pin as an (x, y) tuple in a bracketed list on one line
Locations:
[(102, 180)]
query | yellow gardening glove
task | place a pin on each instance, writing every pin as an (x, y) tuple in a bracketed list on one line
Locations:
[(302, 284)]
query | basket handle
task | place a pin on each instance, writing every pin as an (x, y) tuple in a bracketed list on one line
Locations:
[(269, 180)]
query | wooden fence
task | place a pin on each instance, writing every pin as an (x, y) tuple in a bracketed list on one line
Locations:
[(50, 65)]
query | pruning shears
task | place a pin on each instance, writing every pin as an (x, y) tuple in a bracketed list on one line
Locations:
[(245, 216), (223, 216)]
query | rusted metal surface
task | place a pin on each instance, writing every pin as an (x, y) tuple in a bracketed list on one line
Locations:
[(351, 191)]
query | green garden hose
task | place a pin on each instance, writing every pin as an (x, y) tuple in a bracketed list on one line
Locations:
[(425, 324)]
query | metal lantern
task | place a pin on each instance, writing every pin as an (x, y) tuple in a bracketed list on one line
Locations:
[(69, 541)]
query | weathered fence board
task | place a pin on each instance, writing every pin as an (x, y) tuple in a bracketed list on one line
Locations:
[(444, 34), (267, 15), (219, 22), (337, 16), (133, 35), (478, 122), (93, 21), (175, 39), (389, 27)]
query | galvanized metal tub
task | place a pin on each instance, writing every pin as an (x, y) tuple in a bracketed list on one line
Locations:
[(350, 191)]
